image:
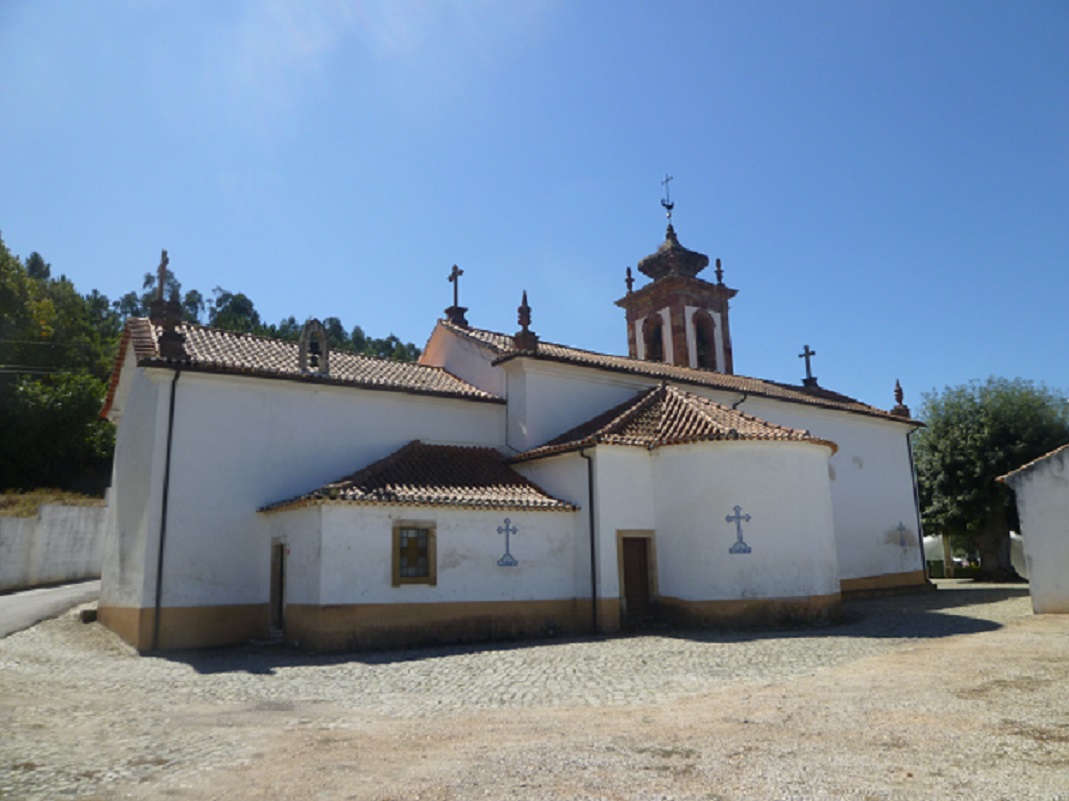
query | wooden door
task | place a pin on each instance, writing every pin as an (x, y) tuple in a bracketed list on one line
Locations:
[(636, 554)]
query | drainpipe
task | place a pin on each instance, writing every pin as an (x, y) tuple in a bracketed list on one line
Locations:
[(163, 514), (917, 505), (593, 537)]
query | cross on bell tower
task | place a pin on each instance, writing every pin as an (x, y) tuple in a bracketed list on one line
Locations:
[(678, 318)]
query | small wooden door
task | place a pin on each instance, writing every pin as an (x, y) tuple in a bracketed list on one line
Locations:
[(278, 588), (636, 555)]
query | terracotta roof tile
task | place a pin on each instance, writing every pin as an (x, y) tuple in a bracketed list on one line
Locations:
[(664, 415), (501, 344), (1029, 465), (435, 475), (214, 350)]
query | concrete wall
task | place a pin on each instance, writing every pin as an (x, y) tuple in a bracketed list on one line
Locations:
[(63, 543)]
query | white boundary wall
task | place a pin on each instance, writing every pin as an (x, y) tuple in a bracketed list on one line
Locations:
[(62, 543)]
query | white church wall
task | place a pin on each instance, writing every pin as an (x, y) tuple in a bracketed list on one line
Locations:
[(300, 531), (871, 488), (358, 543), (546, 398), (1042, 495), (783, 487), (566, 477), (625, 502), (281, 439), (128, 560), (465, 358)]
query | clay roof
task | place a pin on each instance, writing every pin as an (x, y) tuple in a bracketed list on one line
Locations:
[(501, 344), (214, 350), (1027, 467), (435, 475), (664, 415)]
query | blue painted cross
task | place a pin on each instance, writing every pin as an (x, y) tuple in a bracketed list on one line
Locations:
[(901, 534), (508, 530), (737, 518)]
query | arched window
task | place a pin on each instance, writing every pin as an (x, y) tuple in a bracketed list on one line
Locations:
[(705, 339), (314, 349), (653, 337)]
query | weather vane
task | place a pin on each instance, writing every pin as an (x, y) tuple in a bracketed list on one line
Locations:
[(667, 201)]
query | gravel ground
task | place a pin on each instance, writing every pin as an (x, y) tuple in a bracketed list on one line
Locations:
[(955, 694)]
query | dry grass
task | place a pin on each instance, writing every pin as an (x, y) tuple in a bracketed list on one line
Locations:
[(25, 504)]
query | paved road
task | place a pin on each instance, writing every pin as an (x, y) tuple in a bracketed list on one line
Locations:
[(20, 610)]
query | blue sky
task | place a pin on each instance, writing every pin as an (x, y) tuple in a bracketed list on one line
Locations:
[(887, 182)]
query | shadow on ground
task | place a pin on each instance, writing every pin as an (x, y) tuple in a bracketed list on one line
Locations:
[(915, 615)]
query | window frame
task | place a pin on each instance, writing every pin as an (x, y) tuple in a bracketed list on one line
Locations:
[(431, 528)]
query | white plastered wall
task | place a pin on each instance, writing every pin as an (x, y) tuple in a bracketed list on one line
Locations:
[(871, 486), (352, 564), (1042, 492), (243, 443), (546, 398), (566, 477), (463, 357), (128, 564), (782, 486), (871, 475)]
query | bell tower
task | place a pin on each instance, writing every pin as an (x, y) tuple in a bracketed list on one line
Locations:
[(678, 318)]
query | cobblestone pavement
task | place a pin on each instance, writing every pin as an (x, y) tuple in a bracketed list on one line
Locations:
[(83, 716)]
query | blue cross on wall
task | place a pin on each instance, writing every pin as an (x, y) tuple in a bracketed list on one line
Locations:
[(508, 530), (737, 519)]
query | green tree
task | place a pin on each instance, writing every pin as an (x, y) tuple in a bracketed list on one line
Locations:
[(234, 312), (975, 433), (51, 434), (56, 349), (37, 267)]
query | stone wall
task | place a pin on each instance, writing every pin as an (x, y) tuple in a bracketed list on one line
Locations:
[(63, 543)]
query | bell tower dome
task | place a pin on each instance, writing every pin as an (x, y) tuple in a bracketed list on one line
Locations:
[(678, 318)]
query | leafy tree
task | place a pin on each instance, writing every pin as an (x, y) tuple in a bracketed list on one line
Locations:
[(234, 312), (359, 339), (56, 347), (193, 306), (51, 434), (975, 433), (336, 335), (37, 267)]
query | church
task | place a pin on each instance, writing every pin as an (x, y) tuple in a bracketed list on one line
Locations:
[(502, 487)]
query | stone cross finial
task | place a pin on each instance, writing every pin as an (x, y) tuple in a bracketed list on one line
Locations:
[(719, 273), (454, 279), (455, 313), (809, 380), (630, 281)]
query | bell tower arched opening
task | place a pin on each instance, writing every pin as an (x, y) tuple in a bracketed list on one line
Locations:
[(653, 338), (704, 340)]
